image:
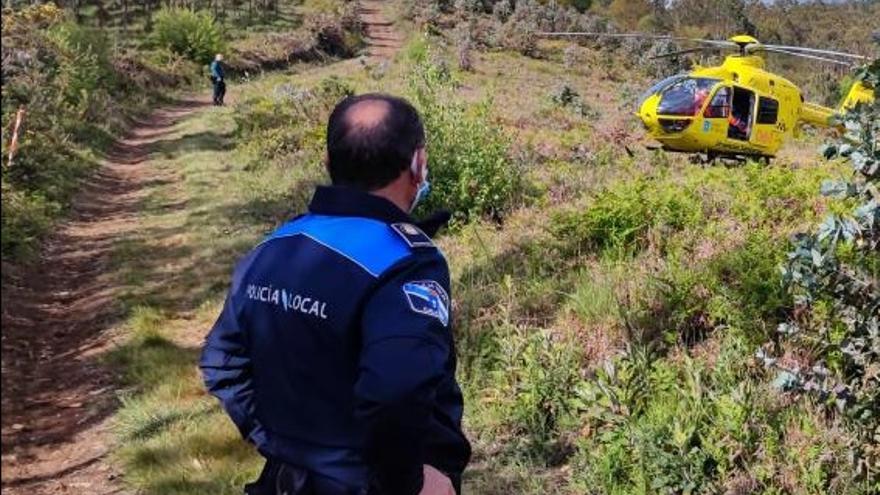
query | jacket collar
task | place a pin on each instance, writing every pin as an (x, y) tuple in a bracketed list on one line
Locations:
[(349, 202)]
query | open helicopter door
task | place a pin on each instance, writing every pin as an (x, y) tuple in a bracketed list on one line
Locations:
[(742, 114)]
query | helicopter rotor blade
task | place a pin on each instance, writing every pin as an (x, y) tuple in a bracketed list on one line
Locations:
[(718, 43), (790, 50), (817, 51), (804, 55), (680, 52)]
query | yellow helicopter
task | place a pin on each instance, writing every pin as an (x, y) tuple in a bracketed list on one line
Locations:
[(737, 109)]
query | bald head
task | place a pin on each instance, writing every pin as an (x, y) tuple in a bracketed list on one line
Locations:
[(367, 114), (371, 140)]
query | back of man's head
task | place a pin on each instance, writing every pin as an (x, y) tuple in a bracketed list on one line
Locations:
[(371, 139)]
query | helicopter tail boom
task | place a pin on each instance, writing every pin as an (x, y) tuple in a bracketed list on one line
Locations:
[(818, 115)]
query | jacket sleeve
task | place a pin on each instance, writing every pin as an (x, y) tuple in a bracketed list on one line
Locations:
[(226, 368), (403, 360)]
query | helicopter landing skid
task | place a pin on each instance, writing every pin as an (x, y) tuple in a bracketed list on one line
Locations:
[(713, 157), (727, 159)]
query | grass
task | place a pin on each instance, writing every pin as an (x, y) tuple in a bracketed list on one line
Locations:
[(605, 328)]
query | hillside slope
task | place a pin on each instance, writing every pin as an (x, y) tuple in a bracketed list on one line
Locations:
[(609, 300)]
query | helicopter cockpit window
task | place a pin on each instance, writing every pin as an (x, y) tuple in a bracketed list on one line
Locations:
[(719, 107), (685, 97), (659, 86)]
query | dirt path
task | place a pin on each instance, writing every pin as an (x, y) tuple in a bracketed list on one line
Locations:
[(57, 396), (58, 315), (383, 40)]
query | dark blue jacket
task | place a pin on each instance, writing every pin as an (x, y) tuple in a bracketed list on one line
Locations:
[(334, 350), (216, 70)]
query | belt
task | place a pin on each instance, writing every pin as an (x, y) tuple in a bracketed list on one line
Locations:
[(279, 478)]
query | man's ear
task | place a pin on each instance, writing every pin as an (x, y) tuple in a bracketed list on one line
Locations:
[(415, 168), (421, 159)]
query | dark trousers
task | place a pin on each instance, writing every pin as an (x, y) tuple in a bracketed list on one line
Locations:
[(219, 90), (278, 478)]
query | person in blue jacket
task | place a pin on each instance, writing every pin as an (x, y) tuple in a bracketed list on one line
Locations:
[(334, 351), (218, 79)]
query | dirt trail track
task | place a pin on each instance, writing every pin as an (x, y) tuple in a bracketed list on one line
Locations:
[(58, 314), (57, 396), (383, 40)]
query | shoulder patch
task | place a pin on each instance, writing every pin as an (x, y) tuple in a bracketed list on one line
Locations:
[(413, 236), (428, 298)]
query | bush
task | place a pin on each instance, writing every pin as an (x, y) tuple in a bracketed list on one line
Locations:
[(628, 217), (25, 217), (60, 74), (519, 21), (832, 276), (272, 127), (540, 375), (519, 36), (339, 35), (193, 34), (85, 61), (663, 426), (77, 92), (565, 96), (736, 288), (469, 161)]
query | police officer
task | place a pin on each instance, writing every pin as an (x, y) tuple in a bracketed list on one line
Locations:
[(334, 353)]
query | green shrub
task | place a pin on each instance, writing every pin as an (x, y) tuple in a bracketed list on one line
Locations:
[(84, 61), (567, 97), (628, 216), (193, 34), (748, 277), (531, 392), (25, 217), (291, 120), (662, 426), (831, 276), (77, 92), (689, 299), (470, 167)]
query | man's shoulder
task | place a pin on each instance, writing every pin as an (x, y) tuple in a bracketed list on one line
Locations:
[(373, 245), (413, 236)]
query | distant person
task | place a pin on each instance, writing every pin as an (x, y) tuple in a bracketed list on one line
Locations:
[(218, 79), (334, 352)]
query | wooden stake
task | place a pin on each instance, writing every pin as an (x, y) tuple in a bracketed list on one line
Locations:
[(13, 146)]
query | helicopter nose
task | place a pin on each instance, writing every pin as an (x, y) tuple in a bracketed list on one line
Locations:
[(647, 113)]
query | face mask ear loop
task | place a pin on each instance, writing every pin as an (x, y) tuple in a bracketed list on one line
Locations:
[(414, 167), (424, 186)]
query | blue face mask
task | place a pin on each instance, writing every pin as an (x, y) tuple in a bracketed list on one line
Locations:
[(421, 193), (424, 185)]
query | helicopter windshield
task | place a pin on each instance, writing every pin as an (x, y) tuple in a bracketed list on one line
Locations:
[(659, 86), (686, 96)]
